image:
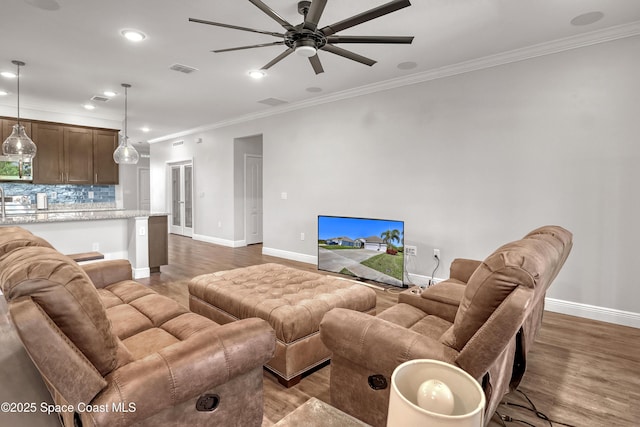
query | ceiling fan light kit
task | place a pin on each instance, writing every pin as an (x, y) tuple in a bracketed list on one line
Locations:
[(306, 39)]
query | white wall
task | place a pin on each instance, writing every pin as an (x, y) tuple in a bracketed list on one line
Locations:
[(469, 162)]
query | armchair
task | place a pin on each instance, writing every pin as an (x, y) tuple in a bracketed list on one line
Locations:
[(484, 325), (113, 352)]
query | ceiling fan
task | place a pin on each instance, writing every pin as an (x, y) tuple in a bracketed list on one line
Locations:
[(307, 39)]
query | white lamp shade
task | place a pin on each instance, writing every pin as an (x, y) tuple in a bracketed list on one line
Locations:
[(468, 397)]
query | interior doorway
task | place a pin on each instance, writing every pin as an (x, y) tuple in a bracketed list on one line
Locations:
[(253, 198), (181, 178), (247, 189), (144, 189)]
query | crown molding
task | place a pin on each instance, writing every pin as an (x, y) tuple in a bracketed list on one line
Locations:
[(542, 49)]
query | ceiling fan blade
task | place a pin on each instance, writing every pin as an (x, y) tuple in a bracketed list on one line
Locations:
[(235, 27), (314, 14), (348, 54), (266, 9), (365, 16), (277, 59), (370, 39), (315, 63), (248, 47)]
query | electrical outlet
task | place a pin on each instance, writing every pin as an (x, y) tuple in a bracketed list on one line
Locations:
[(54, 195), (91, 195), (410, 250), (301, 236), (436, 253)]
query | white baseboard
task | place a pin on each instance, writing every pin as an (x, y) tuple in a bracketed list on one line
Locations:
[(586, 311), (603, 314), (141, 273), (219, 241), (294, 256)]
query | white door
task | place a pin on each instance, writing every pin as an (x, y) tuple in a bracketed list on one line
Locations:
[(144, 189), (182, 199), (253, 199)]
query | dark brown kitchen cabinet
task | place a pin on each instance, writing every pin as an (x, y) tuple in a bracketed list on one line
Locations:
[(78, 155), (68, 154), (105, 169), (158, 242), (48, 165)]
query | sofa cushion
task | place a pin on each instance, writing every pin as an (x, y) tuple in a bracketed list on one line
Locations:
[(520, 263), (12, 238), (61, 289), (415, 319)]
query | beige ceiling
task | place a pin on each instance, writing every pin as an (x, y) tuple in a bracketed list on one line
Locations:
[(74, 50)]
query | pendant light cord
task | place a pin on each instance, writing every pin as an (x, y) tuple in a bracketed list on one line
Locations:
[(126, 114), (18, 76), (126, 97)]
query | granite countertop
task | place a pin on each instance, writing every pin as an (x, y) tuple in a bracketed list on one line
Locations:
[(79, 215)]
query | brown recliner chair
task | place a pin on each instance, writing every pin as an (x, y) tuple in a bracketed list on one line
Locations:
[(112, 352), (483, 322)]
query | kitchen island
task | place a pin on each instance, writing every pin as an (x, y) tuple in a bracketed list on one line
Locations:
[(117, 233)]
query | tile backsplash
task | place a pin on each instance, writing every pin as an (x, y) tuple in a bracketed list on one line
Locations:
[(63, 194)]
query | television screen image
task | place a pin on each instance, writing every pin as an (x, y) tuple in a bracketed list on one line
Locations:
[(364, 248)]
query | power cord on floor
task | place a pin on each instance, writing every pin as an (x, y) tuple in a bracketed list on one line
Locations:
[(531, 408)]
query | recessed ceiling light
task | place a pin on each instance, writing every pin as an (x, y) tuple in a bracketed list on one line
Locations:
[(89, 107), (109, 93), (8, 74), (145, 129), (133, 35), (3, 92), (587, 18), (257, 74)]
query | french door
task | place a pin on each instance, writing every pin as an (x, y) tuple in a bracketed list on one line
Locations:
[(181, 199)]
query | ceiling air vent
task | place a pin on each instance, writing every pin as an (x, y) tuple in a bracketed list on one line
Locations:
[(99, 98), (183, 68), (273, 102)]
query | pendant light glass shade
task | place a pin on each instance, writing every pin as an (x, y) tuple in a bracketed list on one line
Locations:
[(18, 144), (125, 154)]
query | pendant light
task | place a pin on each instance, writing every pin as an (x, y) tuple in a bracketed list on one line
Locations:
[(18, 144), (125, 154)]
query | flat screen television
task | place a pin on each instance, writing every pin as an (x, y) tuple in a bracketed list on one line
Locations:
[(363, 248)]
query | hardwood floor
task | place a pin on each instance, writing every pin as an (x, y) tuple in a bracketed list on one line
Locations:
[(580, 372)]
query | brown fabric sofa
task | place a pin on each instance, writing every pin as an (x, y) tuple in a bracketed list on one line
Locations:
[(116, 353), (483, 319)]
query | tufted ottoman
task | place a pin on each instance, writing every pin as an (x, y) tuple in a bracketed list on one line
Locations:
[(291, 300)]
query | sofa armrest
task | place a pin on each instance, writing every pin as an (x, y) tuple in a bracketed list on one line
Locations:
[(207, 359), (105, 273), (377, 344), (441, 299), (461, 269)]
